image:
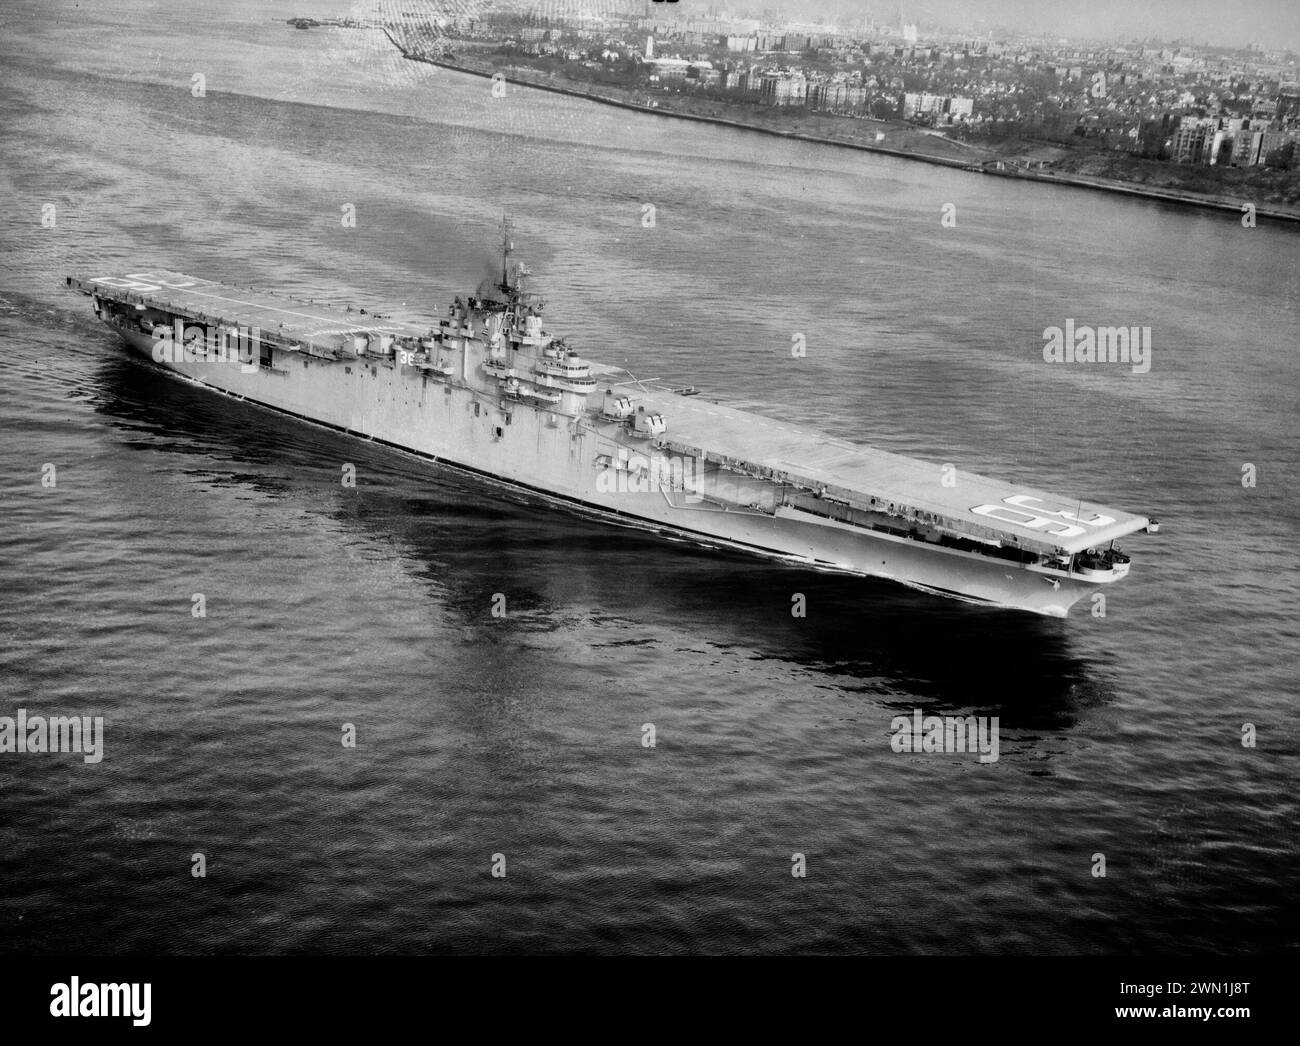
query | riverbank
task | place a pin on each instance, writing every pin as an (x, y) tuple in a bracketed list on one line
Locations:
[(942, 151), (605, 96)]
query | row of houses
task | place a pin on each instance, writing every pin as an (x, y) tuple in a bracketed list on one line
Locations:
[(771, 86), (1219, 141), (939, 108)]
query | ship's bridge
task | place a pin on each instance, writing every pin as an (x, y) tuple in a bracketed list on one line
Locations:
[(983, 509)]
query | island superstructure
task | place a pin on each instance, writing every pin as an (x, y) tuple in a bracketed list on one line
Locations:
[(486, 389)]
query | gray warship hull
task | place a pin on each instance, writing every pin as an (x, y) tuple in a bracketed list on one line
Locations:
[(710, 474)]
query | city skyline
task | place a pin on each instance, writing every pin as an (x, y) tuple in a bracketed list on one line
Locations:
[(1270, 24), (1273, 24)]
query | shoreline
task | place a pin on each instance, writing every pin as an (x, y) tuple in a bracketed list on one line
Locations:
[(1180, 197)]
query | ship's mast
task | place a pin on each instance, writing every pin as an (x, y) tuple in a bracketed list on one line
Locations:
[(507, 247), (517, 300)]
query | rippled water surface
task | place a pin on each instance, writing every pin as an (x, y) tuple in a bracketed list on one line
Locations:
[(522, 736)]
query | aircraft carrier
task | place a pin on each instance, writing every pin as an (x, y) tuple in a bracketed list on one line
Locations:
[(485, 389)]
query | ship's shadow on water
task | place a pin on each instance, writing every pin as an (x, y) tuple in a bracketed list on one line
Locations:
[(470, 540)]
